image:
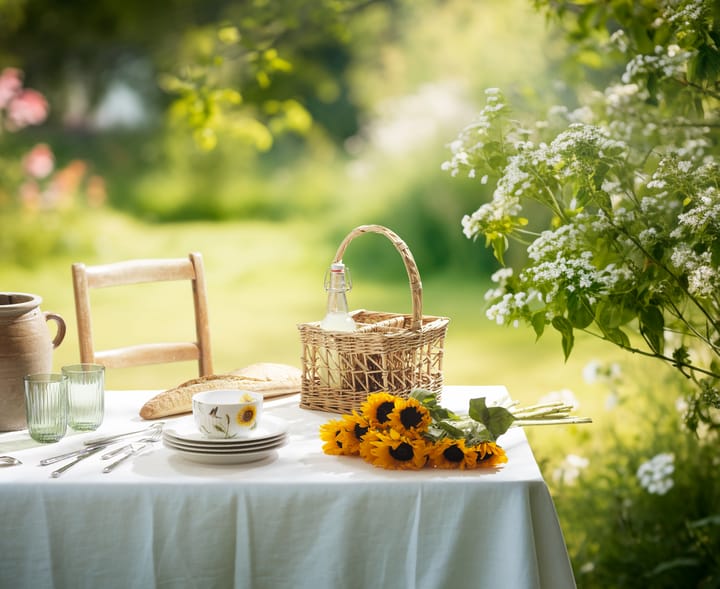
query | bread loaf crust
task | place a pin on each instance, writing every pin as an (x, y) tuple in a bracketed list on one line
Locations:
[(270, 379)]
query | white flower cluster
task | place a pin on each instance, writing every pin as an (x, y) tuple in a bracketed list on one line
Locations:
[(563, 262), (570, 469), (655, 475), (685, 15), (666, 62), (703, 278), (472, 139), (512, 305), (597, 372), (500, 207), (564, 396), (619, 96), (582, 140), (703, 217)]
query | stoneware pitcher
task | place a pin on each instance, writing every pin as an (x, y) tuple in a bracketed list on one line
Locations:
[(26, 347)]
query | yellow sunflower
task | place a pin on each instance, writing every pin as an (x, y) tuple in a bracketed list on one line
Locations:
[(355, 426), (331, 433), (409, 417), (394, 451), (489, 455), (367, 444), (377, 408), (451, 453), (246, 416)]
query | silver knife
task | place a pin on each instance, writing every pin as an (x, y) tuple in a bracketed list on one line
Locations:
[(73, 454), (56, 473), (115, 438)]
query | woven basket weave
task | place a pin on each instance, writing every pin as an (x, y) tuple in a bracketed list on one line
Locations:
[(388, 352)]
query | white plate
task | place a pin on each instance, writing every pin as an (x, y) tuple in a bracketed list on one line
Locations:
[(185, 430), (269, 445), (224, 458), (227, 444)]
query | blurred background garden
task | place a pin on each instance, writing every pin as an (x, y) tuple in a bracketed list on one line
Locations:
[(260, 133)]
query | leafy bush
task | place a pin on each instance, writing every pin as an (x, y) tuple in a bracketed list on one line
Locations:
[(630, 252), (640, 500)]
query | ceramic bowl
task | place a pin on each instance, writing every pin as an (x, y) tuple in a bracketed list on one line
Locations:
[(227, 413)]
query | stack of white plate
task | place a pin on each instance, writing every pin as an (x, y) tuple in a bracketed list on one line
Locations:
[(185, 439)]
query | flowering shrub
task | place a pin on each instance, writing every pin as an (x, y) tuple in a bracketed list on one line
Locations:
[(629, 250), (32, 187), (640, 507)]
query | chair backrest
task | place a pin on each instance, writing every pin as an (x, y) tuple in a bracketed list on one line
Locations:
[(129, 272)]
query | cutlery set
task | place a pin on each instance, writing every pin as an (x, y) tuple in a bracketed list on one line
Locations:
[(91, 447)]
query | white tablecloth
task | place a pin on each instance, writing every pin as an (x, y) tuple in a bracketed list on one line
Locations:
[(299, 518)]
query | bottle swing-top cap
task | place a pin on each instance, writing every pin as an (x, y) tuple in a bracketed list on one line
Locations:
[(337, 278)]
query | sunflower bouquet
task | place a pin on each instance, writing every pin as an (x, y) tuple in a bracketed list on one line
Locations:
[(409, 434)]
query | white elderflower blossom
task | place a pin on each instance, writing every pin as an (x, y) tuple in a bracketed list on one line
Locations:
[(584, 114), (599, 372), (703, 216), (655, 475), (621, 94), (564, 396), (570, 469), (703, 278)]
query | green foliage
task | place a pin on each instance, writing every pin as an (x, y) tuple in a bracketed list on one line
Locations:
[(247, 76), (630, 181), (648, 497)]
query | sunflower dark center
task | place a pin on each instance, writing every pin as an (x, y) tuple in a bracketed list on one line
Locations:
[(384, 410), (403, 452), (410, 417), (360, 431), (453, 454)]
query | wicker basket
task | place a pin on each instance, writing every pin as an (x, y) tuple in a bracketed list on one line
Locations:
[(388, 352)]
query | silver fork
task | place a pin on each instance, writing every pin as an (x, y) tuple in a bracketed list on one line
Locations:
[(135, 449), (154, 437)]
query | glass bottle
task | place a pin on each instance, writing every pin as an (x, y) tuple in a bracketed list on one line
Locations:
[(337, 284)]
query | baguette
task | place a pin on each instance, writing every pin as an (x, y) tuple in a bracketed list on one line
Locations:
[(268, 379)]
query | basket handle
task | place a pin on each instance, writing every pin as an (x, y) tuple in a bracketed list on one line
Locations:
[(407, 258)]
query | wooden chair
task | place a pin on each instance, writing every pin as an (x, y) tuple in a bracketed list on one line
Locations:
[(136, 272)]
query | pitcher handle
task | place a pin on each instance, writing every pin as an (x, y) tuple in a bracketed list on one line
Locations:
[(61, 328)]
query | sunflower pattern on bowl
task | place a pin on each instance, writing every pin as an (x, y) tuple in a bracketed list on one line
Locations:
[(227, 413)]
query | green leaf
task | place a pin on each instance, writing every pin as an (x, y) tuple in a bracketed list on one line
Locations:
[(610, 314), (497, 420), (566, 330), (673, 564), (652, 327), (430, 401), (711, 520), (580, 313), (617, 336), (450, 429), (599, 177), (538, 324), (499, 247)]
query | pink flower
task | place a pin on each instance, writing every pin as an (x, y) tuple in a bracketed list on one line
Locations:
[(39, 162), (10, 85), (27, 108)]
